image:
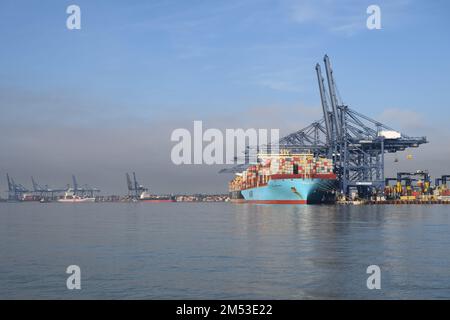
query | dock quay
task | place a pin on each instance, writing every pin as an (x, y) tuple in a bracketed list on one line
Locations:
[(393, 202)]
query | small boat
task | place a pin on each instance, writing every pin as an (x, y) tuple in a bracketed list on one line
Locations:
[(147, 197), (71, 197)]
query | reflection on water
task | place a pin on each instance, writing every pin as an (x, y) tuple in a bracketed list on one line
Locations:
[(224, 251)]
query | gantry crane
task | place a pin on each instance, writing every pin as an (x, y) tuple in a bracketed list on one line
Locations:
[(83, 191), (134, 188), (15, 190), (355, 142), (44, 192)]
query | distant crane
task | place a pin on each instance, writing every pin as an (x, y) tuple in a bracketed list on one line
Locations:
[(85, 190), (134, 188), (15, 191), (442, 180), (38, 190), (44, 192)]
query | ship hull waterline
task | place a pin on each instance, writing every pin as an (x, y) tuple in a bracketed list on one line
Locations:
[(82, 200), (292, 191)]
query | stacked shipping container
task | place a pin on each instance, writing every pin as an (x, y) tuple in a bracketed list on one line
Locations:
[(286, 164)]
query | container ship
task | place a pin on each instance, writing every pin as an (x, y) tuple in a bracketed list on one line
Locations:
[(286, 178)]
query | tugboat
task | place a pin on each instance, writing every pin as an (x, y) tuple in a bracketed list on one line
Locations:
[(71, 197)]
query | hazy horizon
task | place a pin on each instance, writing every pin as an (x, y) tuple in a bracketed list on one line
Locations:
[(102, 101)]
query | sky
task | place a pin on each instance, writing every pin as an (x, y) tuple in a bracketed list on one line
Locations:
[(104, 100)]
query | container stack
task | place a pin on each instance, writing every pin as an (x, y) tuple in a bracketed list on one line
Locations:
[(301, 165), (323, 166), (274, 165), (235, 184)]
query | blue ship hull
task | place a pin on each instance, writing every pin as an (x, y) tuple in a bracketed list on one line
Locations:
[(293, 191)]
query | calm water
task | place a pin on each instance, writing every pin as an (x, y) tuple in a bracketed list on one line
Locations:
[(223, 251)]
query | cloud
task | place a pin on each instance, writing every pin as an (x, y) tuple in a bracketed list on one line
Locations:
[(279, 85), (343, 18), (49, 107), (405, 120), (306, 11), (286, 79), (189, 17), (336, 17), (349, 29)]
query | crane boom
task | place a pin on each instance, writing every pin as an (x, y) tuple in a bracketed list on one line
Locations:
[(333, 98), (75, 184), (9, 183), (129, 183), (325, 108), (36, 187)]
